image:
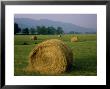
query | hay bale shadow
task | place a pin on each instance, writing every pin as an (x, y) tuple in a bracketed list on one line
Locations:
[(35, 43), (25, 43)]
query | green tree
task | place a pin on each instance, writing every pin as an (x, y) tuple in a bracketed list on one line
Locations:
[(51, 30), (72, 32), (16, 28), (32, 31), (38, 29), (25, 31), (42, 30), (59, 30)]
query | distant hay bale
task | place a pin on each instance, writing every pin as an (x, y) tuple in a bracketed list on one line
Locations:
[(59, 35), (34, 38), (50, 57), (74, 39)]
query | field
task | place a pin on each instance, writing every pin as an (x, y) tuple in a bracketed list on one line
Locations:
[(85, 54)]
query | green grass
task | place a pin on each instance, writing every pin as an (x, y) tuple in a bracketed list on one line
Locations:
[(85, 54)]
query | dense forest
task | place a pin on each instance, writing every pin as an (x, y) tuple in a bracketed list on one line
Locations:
[(38, 30)]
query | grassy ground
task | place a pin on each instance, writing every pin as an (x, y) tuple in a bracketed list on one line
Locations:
[(85, 53)]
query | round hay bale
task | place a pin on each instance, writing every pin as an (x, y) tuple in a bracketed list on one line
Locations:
[(74, 39), (59, 35), (50, 57), (34, 38)]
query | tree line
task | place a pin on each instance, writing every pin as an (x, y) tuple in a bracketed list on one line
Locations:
[(38, 30)]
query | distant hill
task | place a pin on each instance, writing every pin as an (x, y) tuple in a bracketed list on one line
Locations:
[(67, 27)]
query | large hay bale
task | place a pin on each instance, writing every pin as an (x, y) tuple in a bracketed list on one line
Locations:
[(74, 39), (50, 57), (34, 38)]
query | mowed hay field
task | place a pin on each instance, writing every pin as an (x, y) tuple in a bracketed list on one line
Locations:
[(84, 54)]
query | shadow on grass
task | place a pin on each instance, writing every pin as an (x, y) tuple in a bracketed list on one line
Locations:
[(84, 67)]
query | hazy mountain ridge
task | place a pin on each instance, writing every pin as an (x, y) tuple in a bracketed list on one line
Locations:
[(67, 27)]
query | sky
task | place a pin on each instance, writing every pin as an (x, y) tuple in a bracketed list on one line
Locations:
[(84, 20)]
